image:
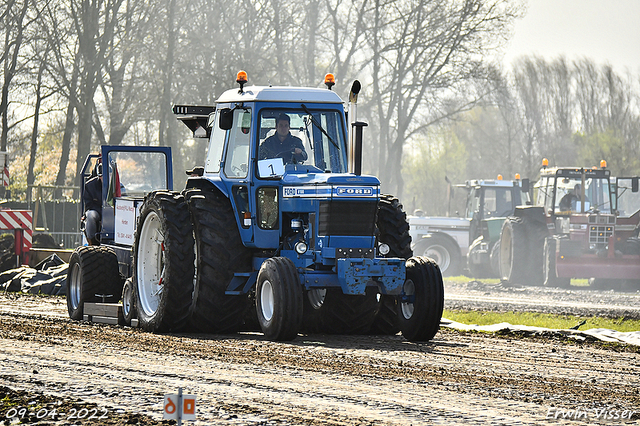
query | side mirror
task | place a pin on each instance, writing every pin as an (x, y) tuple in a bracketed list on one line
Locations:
[(634, 184), (226, 119), (524, 185)]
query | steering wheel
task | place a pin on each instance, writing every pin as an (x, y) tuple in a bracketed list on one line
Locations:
[(288, 157), (282, 154)]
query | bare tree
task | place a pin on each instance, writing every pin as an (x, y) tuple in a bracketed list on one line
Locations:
[(94, 23), (421, 51), (15, 23), (123, 81)]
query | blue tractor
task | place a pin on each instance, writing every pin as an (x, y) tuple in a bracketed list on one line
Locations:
[(284, 234)]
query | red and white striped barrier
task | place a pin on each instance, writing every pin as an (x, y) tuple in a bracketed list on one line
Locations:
[(20, 221)]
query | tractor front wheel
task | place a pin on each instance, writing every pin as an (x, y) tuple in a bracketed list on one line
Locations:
[(128, 302), (393, 230), (551, 278), (422, 300), (279, 299)]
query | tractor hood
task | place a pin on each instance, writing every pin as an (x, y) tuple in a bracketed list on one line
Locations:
[(328, 178), (321, 185)]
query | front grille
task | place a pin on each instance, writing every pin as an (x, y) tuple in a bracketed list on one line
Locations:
[(601, 227), (599, 234), (350, 218)]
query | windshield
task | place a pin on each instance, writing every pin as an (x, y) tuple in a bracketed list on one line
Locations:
[(311, 137), (136, 173), (569, 195), (498, 202)]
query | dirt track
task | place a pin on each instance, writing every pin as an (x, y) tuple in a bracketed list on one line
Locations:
[(356, 380)]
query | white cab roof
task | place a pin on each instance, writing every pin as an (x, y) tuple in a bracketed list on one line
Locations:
[(280, 94)]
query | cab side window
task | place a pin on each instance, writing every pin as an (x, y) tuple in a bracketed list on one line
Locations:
[(237, 160)]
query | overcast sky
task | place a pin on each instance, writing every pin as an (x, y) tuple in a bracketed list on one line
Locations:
[(607, 31)]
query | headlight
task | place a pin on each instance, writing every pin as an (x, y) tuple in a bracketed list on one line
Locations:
[(300, 247), (383, 249)]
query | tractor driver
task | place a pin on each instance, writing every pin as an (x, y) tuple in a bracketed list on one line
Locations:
[(570, 199), (283, 144), (92, 198)]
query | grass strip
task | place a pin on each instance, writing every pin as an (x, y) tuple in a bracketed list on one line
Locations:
[(541, 320), (462, 279)]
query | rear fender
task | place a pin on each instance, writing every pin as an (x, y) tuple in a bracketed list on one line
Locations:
[(219, 187), (535, 213)]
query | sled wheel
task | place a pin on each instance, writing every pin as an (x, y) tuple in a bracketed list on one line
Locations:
[(128, 302), (92, 270)]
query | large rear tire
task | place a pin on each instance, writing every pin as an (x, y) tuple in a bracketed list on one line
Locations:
[(443, 251), (220, 253), (422, 300), (330, 311), (93, 270), (393, 227), (279, 299), (163, 262), (514, 252), (495, 259)]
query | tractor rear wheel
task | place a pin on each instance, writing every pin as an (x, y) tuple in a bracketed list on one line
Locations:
[(495, 259), (393, 227), (163, 262), (330, 311), (537, 233), (514, 251), (442, 250), (422, 300), (279, 299), (93, 271), (219, 253)]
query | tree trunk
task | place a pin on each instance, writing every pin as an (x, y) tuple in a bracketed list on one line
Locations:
[(10, 71), (166, 76), (36, 121), (69, 128)]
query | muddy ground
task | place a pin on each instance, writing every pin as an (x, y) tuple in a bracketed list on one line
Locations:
[(119, 375)]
